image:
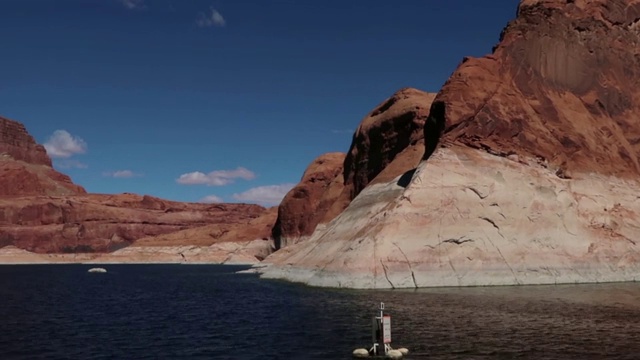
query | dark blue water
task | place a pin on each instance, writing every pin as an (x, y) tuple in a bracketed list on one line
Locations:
[(209, 312)]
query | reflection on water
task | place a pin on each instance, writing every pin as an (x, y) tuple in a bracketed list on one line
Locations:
[(208, 312)]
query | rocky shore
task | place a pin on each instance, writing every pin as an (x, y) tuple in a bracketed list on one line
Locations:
[(229, 253), (530, 172), (468, 218)]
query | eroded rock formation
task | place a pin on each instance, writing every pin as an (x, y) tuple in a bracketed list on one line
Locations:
[(306, 205), (25, 168), (16, 143), (561, 86), (536, 179), (388, 142), (104, 223), (43, 211)]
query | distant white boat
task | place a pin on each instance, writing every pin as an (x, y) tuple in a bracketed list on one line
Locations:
[(97, 270)]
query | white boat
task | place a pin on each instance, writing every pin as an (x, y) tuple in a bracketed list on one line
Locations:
[(97, 270)]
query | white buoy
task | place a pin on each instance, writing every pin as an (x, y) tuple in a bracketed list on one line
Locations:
[(360, 353), (97, 270), (381, 337), (394, 354)]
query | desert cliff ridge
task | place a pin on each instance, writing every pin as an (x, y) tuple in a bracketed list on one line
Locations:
[(529, 171), (43, 211), (523, 169), (25, 167), (387, 143), (306, 205), (17, 143), (561, 86)]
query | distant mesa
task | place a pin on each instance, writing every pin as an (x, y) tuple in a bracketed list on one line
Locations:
[(17, 144), (25, 167), (43, 211)]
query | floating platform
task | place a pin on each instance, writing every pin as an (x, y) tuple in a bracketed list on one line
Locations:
[(394, 354), (381, 338)]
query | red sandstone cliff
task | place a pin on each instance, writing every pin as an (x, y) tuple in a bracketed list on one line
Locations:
[(537, 178), (562, 86), (41, 210), (388, 142), (103, 223), (229, 230), (306, 205), (25, 168), (16, 143)]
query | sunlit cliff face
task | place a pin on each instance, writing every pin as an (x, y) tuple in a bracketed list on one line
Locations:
[(562, 86)]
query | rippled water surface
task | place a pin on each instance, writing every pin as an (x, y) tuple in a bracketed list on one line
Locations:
[(209, 312)]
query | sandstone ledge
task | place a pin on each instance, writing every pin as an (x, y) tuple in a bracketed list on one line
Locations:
[(230, 253), (469, 218)]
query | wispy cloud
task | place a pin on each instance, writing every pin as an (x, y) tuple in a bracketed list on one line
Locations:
[(132, 4), (211, 18), (121, 174), (215, 178), (62, 145), (211, 199), (71, 164), (266, 195)]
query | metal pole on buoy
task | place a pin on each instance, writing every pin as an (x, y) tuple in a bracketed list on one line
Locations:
[(380, 332), (381, 338)]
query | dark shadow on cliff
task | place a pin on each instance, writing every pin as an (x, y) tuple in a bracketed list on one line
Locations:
[(434, 128), (405, 179), (276, 233)]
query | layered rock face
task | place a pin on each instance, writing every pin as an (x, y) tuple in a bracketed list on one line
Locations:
[(25, 167), (104, 223), (536, 179), (388, 142), (231, 253), (306, 205), (230, 242), (42, 211), (562, 86), (16, 143), (469, 218)]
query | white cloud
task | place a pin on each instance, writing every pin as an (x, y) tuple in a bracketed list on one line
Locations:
[(265, 195), (211, 199), (214, 18), (62, 145), (121, 174), (69, 164), (133, 4), (215, 178)]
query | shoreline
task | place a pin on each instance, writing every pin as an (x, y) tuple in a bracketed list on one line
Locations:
[(262, 270), (121, 263), (479, 228), (247, 254), (321, 279)]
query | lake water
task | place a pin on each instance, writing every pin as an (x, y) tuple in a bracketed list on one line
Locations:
[(209, 312)]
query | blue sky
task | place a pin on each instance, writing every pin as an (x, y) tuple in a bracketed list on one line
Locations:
[(220, 100)]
